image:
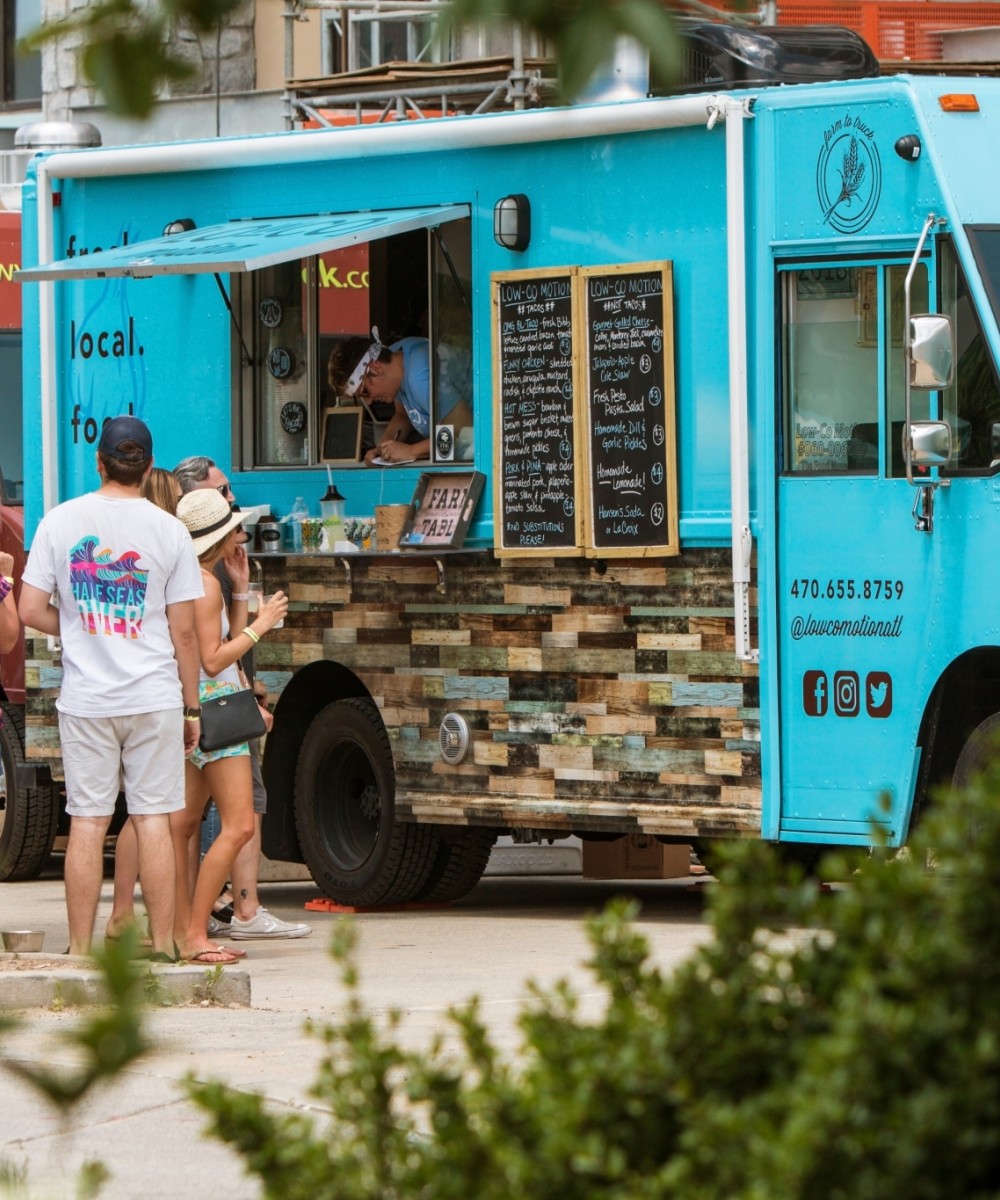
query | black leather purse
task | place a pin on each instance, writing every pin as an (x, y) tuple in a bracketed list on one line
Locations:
[(229, 720)]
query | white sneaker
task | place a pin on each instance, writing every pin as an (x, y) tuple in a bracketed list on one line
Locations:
[(265, 925), (217, 928)]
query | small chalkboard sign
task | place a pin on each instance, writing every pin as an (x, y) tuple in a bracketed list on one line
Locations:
[(341, 438), (537, 479), (441, 509), (629, 389)]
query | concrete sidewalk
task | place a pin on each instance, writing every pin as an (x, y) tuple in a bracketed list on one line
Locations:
[(419, 962)]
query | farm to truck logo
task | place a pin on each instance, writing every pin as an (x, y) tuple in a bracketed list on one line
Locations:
[(848, 175)]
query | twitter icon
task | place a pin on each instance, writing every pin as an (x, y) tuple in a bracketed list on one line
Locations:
[(878, 694)]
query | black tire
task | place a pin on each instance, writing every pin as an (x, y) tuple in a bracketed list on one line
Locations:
[(981, 747), (459, 864), (357, 851), (29, 816)]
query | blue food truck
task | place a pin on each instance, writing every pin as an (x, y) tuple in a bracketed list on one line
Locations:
[(704, 549)]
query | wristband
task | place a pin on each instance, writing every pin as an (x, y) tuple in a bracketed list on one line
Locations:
[(187, 718), (192, 712), (254, 637), (6, 586), (241, 595)]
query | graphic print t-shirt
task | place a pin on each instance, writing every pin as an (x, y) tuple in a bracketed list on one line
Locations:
[(116, 564)]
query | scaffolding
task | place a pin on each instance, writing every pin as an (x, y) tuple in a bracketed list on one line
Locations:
[(436, 80)]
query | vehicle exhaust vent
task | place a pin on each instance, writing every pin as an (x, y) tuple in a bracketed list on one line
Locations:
[(722, 57), (28, 140), (454, 738)]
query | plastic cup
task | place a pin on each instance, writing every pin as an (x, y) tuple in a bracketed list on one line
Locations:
[(312, 534), (281, 623)]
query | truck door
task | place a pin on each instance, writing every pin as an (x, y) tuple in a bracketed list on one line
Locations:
[(854, 579)]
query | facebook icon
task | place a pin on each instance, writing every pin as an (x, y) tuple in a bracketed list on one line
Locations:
[(815, 693)]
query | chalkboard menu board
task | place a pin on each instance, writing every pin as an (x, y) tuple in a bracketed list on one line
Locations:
[(631, 449), (537, 477), (585, 444)]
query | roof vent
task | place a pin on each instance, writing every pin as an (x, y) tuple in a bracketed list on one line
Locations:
[(623, 76), (454, 738), (28, 140), (57, 135)]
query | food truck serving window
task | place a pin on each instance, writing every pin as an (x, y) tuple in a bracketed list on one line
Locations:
[(302, 287), (305, 324)]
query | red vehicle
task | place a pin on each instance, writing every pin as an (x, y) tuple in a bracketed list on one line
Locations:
[(24, 788)]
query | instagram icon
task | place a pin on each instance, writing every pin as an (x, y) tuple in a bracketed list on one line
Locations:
[(846, 694)]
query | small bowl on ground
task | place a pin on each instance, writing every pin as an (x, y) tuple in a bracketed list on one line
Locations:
[(22, 940)]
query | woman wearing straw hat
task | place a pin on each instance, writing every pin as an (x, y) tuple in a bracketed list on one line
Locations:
[(223, 775)]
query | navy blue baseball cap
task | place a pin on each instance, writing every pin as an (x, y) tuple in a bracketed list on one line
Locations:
[(120, 430)]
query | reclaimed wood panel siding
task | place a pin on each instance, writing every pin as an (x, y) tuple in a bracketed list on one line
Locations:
[(598, 699)]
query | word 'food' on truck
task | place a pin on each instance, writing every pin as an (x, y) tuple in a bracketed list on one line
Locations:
[(726, 366)]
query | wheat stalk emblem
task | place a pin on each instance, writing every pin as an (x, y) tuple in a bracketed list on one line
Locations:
[(851, 173)]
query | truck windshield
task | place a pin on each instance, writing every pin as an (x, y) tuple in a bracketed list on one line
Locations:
[(11, 465)]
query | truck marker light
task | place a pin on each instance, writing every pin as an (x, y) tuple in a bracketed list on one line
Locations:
[(958, 102), (908, 147)]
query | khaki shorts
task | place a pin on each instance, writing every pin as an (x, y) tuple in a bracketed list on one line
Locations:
[(142, 755)]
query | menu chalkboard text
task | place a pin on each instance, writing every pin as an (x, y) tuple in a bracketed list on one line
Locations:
[(537, 478), (628, 322)]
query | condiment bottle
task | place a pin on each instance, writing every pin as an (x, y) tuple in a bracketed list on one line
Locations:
[(332, 508)]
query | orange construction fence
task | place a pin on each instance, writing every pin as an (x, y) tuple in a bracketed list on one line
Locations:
[(894, 31)]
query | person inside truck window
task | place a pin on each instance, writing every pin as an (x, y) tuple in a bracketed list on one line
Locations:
[(400, 372), (378, 413), (10, 627)]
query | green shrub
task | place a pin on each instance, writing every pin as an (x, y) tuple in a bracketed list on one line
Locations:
[(823, 1044)]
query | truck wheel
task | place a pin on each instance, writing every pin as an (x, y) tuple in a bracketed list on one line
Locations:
[(459, 864), (357, 851), (29, 816), (981, 746)]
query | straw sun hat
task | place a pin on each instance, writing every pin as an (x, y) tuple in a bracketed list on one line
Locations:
[(208, 518)]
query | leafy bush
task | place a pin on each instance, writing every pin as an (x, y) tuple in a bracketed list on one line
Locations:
[(822, 1045)]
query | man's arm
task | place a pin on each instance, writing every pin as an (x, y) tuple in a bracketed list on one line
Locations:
[(393, 447), (36, 612), (180, 620)]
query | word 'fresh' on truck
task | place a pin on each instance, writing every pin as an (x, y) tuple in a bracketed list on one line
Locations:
[(725, 368)]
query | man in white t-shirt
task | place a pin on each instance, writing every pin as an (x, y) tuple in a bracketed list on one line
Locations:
[(125, 577)]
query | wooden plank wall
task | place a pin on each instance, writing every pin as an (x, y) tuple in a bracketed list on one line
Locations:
[(601, 695)]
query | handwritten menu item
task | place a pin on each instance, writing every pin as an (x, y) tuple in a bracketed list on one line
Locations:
[(537, 479), (628, 321)]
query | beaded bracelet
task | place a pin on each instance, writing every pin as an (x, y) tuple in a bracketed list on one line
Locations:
[(241, 595), (254, 637)]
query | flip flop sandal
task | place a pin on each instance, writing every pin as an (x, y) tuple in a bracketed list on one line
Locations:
[(236, 951), (214, 956)]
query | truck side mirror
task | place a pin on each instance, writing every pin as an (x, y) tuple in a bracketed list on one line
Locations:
[(930, 443), (932, 351)]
